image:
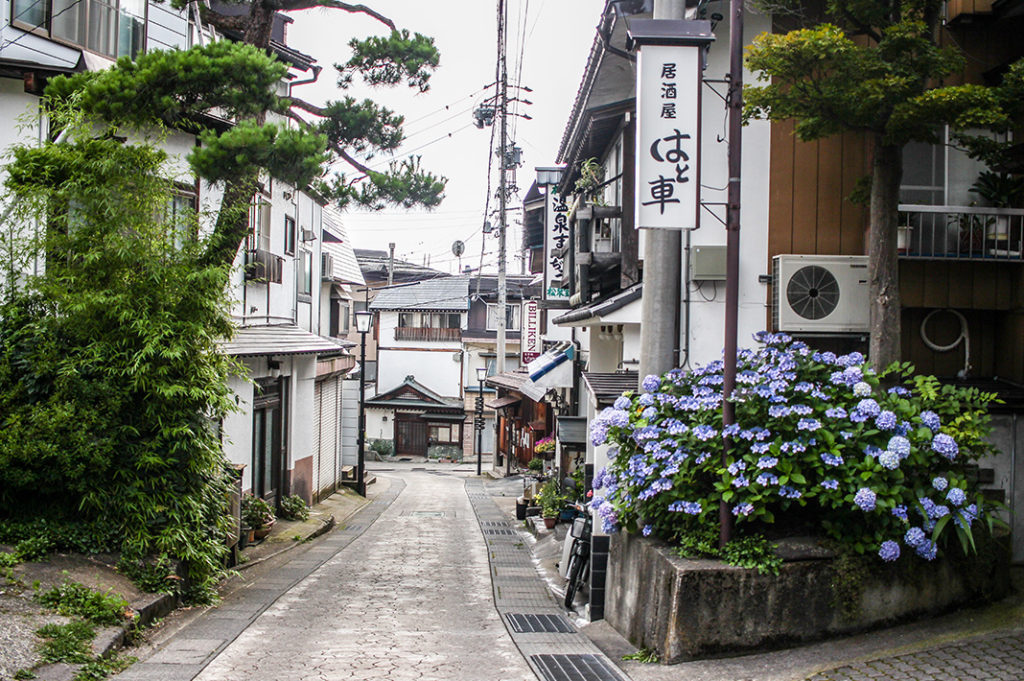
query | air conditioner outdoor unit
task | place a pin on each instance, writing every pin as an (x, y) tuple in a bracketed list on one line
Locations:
[(820, 293), (326, 267)]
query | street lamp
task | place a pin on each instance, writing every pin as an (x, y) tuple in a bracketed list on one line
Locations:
[(481, 374), (363, 320)]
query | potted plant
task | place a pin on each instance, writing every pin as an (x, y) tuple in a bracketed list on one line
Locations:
[(258, 515), (550, 502), (999, 190), (544, 447)]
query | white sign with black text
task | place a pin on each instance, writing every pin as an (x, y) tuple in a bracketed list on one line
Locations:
[(531, 342), (668, 136), (555, 239)]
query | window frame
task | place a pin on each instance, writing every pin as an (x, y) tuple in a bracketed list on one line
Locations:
[(46, 28), (290, 235), (514, 309), (304, 275)]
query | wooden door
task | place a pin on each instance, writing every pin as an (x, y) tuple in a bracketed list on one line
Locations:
[(410, 436)]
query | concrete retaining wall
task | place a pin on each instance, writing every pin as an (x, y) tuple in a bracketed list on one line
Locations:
[(685, 608)]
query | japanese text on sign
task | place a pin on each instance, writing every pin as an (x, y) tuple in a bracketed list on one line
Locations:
[(556, 239)]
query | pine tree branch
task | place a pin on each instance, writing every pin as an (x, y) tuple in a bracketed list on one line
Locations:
[(303, 105), (226, 23), (294, 5), (351, 161)]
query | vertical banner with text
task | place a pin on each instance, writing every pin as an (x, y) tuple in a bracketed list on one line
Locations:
[(668, 136), (531, 341), (556, 238)]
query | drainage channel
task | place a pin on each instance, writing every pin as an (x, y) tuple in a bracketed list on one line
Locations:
[(553, 647)]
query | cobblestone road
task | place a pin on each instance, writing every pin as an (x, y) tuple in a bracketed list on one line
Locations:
[(409, 599)]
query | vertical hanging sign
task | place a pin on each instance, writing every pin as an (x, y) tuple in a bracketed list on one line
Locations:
[(531, 332), (669, 66), (556, 236)]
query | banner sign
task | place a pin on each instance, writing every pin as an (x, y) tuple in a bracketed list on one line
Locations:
[(556, 236), (530, 340), (668, 136)]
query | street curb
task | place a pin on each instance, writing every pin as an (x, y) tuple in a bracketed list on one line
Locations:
[(325, 527)]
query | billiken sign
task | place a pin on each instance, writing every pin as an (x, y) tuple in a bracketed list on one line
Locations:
[(669, 67), (531, 342)]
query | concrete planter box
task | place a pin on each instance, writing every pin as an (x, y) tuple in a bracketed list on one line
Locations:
[(685, 609)]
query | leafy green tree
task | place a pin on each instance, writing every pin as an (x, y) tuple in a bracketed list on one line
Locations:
[(878, 69), (237, 79), (111, 382)]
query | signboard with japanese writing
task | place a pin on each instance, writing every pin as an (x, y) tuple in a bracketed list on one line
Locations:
[(668, 136), (531, 342), (556, 237)]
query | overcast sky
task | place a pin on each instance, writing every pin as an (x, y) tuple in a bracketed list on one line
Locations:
[(439, 124)]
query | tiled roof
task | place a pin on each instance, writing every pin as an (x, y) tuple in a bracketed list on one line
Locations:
[(250, 341), (605, 387), (444, 293)]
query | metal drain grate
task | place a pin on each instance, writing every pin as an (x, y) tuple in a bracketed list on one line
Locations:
[(574, 668), (496, 531), (494, 523), (427, 514), (522, 623)]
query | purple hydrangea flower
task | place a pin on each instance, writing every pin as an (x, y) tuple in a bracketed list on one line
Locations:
[(778, 411), (737, 466), (704, 432), (889, 460), (740, 481), (899, 390), (927, 550), (830, 459), (956, 496), (760, 447), (808, 425), (865, 499), (647, 530), (940, 483), (645, 400), (889, 551), (931, 420), (767, 462), (688, 507), (598, 433), (938, 511), (649, 413), (836, 413), (899, 445), (868, 407), (743, 509), (788, 492), (651, 383), (622, 402), (900, 512), (767, 479), (830, 484), (861, 389), (886, 420), (945, 445), (915, 536)]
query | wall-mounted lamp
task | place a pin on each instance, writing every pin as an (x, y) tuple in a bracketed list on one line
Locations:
[(273, 368), (287, 196)]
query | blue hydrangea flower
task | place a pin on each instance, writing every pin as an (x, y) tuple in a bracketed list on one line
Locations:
[(649, 413), (956, 496), (915, 536), (830, 459), (938, 511), (899, 445), (865, 499), (810, 425), (767, 479), (861, 389), (702, 457), (835, 413), (647, 530), (743, 509), (737, 466), (622, 402), (788, 492), (900, 512), (850, 360), (767, 462), (872, 451), (927, 550), (940, 483), (931, 420), (889, 460), (945, 445), (899, 390), (704, 432), (889, 551), (645, 400), (675, 427), (598, 433), (778, 411), (740, 481), (688, 507), (868, 407), (831, 483), (802, 410), (885, 420), (651, 383)]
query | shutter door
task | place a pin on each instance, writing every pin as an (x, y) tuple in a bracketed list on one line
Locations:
[(350, 424), (317, 428), (327, 468)]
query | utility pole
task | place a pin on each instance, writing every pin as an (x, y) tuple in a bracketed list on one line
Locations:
[(502, 180), (659, 306), (391, 263)]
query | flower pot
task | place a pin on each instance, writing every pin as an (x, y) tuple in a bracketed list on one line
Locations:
[(262, 532), (550, 523)]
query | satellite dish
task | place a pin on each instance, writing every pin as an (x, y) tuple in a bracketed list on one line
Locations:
[(458, 248)]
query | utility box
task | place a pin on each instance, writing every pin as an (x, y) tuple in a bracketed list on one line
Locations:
[(707, 263)]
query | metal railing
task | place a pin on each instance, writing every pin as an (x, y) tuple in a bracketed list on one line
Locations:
[(419, 333), (961, 233)]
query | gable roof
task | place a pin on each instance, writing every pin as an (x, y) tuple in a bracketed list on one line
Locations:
[(410, 393), (336, 242), (444, 293)]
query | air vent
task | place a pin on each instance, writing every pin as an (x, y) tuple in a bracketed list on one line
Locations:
[(820, 294)]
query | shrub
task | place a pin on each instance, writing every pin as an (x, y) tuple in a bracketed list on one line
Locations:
[(384, 448), (67, 642), (818, 440), (536, 464), (256, 512), (293, 507)]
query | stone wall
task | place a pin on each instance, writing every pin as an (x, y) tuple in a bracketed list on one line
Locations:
[(695, 608)]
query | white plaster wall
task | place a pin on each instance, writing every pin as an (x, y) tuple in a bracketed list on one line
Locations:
[(376, 427), (605, 350), (439, 371), (236, 430), (707, 320)]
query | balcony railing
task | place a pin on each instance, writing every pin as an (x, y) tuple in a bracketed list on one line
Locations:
[(419, 333), (961, 233)]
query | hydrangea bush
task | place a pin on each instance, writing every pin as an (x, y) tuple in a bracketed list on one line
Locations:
[(817, 438)]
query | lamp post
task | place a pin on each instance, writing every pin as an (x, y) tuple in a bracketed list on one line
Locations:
[(363, 320), (481, 374)]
